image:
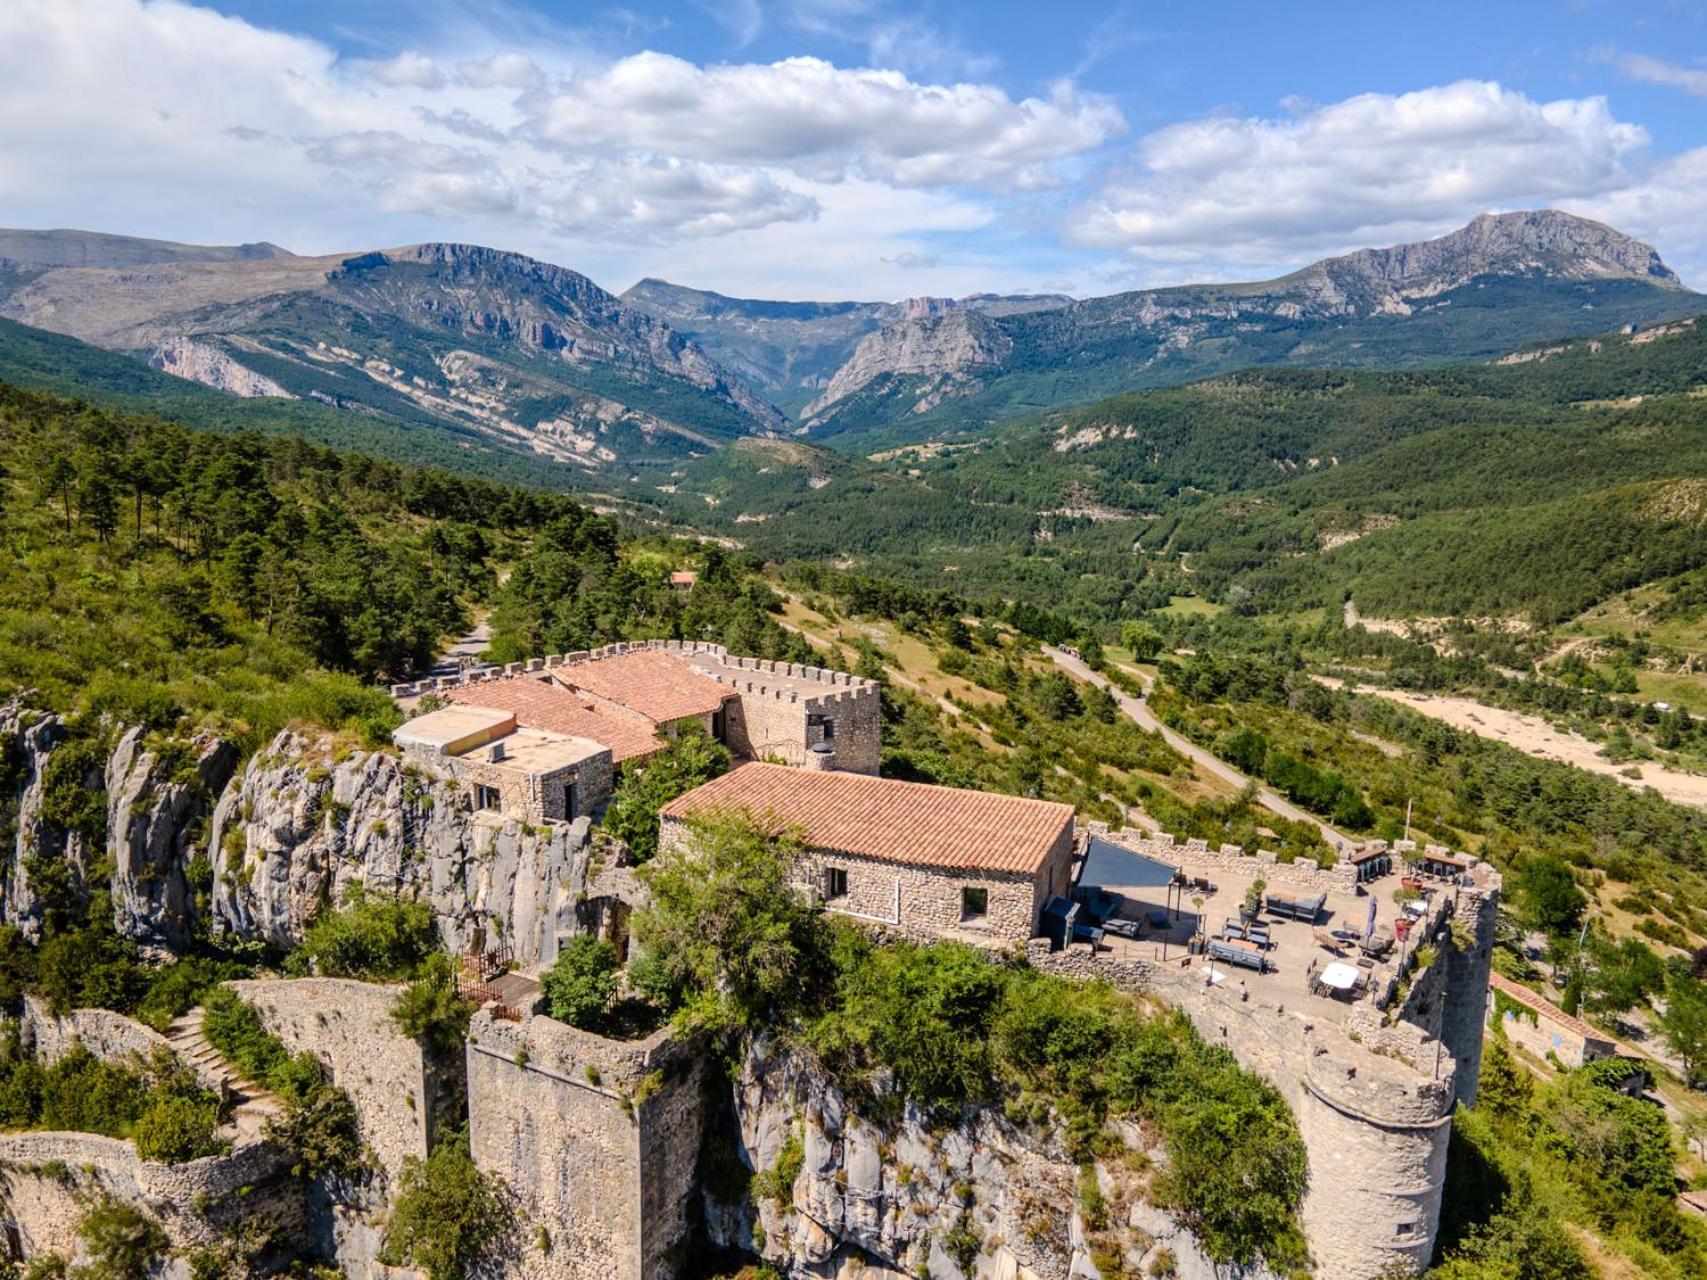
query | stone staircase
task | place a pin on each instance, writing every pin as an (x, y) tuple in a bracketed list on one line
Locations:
[(253, 1104)]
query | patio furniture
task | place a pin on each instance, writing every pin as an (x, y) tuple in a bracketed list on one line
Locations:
[(1296, 907), (1328, 941), (1088, 933), (1377, 944), (1158, 919), (1121, 927), (1236, 951), (1339, 977)]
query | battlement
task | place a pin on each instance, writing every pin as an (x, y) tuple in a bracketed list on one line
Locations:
[(786, 682)]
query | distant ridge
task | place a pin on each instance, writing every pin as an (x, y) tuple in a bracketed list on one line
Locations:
[(60, 248)]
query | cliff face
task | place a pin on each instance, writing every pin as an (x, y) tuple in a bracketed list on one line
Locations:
[(291, 832), (201, 362), (934, 339), (300, 826), (905, 1199)]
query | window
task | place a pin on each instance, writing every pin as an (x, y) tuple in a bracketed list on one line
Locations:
[(835, 883), (974, 903), (486, 797), (569, 800), (829, 731)]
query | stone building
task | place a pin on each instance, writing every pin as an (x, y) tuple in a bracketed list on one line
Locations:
[(540, 741), (916, 859), (1535, 1023)]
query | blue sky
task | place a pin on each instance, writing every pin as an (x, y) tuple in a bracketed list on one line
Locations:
[(819, 148)]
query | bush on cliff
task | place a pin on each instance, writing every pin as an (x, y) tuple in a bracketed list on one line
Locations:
[(374, 938), (448, 1216), (431, 1010), (581, 984)]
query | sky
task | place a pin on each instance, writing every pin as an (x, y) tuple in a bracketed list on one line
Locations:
[(856, 148)]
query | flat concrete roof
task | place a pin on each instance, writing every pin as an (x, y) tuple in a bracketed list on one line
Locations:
[(455, 729), (533, 751)]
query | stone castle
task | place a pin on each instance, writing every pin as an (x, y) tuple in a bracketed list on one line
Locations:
[(485, 811)]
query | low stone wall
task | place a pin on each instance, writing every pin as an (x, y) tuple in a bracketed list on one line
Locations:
[(111, 1037), (45, 1179), (348, 1026), (1195, 857)]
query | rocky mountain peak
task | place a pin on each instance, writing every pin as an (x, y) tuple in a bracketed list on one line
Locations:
[(1542, 240)]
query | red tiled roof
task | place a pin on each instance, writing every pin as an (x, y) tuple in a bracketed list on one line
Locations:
[(659, 685), (539, 704), (882, 818), (1546, 1008)]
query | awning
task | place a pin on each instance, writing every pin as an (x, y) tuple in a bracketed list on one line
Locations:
[(1109, 865)]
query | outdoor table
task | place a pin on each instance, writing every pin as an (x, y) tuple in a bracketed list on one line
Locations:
[(1339, 976)]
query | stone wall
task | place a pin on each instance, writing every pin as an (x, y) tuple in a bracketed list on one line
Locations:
[(111, 1037), (537, 797), (45, 1179), (1375, 1127), (598, 1141), (301, 824), (1195, 857), (348, 1026)]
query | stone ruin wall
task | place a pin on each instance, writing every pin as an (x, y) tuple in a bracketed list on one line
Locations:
[(348, 1026), (46, 1178), (597, 1139)]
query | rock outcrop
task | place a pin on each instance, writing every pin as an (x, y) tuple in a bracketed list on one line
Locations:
[(935, 338), (205, 363), (27, 738), (903, 1199), (153, 805), (303, 824)]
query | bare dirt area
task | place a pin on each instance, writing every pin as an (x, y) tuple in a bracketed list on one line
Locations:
[(1535, 737)]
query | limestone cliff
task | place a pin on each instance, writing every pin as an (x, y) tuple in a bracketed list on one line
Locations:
[(205, 363), (934, 338), (304, 822), (289, 833), (884, 1203)]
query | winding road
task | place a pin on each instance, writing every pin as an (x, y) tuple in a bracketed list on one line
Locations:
[(1142, 716)]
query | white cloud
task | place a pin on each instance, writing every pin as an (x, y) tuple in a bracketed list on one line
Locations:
[(409, 69), (1658, 71), (824, 122), (1373, 169), (505, 70)]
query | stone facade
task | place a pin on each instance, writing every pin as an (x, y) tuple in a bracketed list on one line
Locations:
[(348, 1026), (597, 1139), (1541, 1028), (554, 795), (787, 710)]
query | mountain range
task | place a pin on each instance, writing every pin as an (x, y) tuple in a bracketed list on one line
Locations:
[(502, 353)]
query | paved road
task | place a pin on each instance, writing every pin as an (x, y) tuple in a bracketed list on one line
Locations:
[(1140, 713)]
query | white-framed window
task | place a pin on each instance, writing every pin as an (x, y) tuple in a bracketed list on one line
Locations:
[(835, 883), (974, 903)]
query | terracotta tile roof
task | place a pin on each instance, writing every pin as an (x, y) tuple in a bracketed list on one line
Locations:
[(882, 818), (1546, 1008), (659, 685), (539, 704)]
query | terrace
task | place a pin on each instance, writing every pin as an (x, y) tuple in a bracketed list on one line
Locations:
[(1321, 942)]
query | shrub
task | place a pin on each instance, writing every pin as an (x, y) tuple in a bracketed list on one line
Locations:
[(123, 1243), (448, 1217), (647, 786), (431, 1011), (580, 985), (378, 939)]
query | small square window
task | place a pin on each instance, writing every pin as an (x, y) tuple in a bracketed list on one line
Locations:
[(487, 797), (835, 883), (974, 903)]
